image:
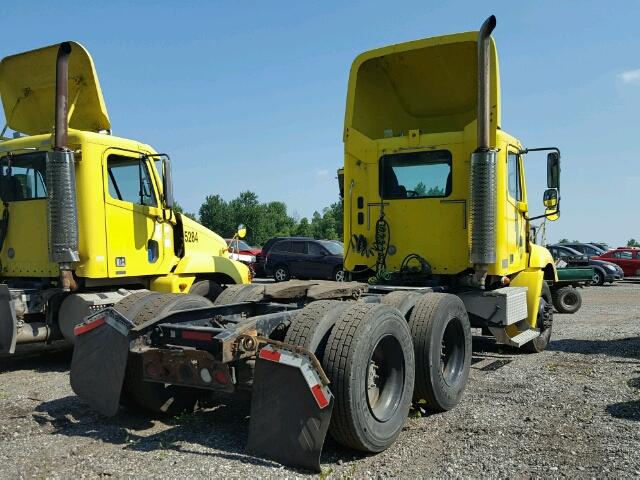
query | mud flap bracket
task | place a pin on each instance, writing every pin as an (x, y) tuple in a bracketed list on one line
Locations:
[(290, 409)]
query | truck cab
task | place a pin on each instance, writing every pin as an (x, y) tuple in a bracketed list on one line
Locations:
[(429, 200), (119, 200)]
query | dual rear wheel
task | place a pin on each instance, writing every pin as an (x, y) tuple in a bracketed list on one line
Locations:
[(378, 362)]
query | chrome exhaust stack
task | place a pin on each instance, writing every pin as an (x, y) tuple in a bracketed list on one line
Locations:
[(61, 181), (483, 167)]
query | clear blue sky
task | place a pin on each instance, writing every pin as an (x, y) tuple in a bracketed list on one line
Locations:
[(250, 95)]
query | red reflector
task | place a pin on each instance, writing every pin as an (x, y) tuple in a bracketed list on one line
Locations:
[(269, 354), (87, 327), (221, 377), (199, 336), (319, 396)]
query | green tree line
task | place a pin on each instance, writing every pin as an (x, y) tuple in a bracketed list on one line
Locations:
[(265, 220)]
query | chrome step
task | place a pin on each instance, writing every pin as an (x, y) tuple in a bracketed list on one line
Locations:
[(516, 341), (524, 337)]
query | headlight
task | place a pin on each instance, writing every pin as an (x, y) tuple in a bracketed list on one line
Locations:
[(611, 268)]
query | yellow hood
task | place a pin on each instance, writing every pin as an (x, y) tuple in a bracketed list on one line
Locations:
[(27, 89)]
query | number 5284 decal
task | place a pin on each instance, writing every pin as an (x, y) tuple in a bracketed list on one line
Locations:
[(190, 236)]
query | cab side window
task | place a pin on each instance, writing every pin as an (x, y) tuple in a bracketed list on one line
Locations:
[(130, 180), (513, 171)]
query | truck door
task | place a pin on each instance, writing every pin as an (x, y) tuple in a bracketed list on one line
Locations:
[(516, 209), (135, 232)]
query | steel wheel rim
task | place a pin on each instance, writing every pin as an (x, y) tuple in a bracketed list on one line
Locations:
[(571, 299), (452, 352), (385, 378)]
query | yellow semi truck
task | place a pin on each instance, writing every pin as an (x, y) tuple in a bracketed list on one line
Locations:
[(85, 214), (436, 221)]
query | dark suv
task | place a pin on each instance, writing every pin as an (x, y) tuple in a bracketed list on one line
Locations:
[(304, 258)]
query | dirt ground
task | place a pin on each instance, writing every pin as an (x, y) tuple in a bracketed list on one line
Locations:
[(571, 411)]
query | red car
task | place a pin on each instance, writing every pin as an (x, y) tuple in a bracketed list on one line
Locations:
[(628, 258), (242, 247)]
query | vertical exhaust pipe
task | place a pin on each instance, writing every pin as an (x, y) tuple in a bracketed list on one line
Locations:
[(483, 167), (62, 94), (484, 82), (61, 182)]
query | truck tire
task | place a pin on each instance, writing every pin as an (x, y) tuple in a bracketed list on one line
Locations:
[(206, 288), (240, 293), (441, 334), (311, 326), (369, 361), (150, 396), (545, 322), (566, 300)]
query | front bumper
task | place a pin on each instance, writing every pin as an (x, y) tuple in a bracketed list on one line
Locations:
[(612, 277)]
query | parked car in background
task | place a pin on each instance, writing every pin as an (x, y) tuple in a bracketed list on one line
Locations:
[(603, 271), (304, 258), (627, 258), (243, 252), (241, 247), (586, 249), (601, 245), (261, 257)]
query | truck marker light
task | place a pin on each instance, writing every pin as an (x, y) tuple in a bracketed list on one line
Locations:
[(198, 336), (87, 327)]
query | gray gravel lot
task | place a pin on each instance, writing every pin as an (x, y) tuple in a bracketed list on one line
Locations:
[(572, 411)]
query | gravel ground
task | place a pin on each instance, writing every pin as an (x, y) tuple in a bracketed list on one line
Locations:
[(571, 411)]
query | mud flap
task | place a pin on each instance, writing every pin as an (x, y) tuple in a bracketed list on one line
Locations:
[(8, 322), (290, 409), (100, 360)]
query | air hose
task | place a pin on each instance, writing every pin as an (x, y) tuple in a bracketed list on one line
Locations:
[(381, 245)]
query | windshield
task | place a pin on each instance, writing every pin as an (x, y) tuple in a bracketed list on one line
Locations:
[(239, 244), (569, 251), (334, 248)]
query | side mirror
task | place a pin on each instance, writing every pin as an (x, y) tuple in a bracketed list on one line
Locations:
[(341, 182), (551, 201), (550, 198), (167, 182), (553, 170), (242, 231)]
